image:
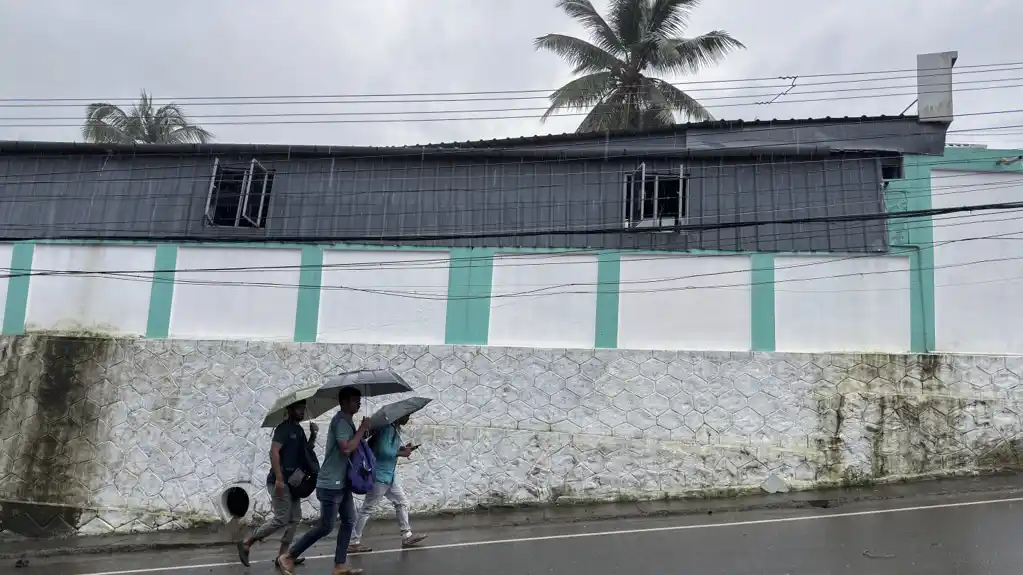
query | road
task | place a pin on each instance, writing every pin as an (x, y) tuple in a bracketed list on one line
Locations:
[(968, 535)]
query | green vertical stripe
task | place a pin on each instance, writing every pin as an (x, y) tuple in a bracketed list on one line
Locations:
[(762, 302), (609, 272), (470, 280), (16, 305), (310, 280), (161, 296), (911, 193)]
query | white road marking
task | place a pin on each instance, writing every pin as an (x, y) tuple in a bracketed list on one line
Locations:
[(600, 534)]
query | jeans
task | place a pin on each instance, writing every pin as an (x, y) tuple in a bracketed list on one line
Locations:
[(286, 513), (396, 495), (334, 503)]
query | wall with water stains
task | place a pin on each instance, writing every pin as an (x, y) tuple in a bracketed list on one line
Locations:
[(119, 435)]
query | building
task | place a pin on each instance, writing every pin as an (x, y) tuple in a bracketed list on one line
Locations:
[(629, 315)]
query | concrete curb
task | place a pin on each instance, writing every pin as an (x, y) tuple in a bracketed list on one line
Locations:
[(496, 517)]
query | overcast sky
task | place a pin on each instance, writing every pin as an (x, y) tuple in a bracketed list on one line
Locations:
[(106, 49)]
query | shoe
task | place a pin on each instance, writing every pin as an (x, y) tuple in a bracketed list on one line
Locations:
[(412, 540)]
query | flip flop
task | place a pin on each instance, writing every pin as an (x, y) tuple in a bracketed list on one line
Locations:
[(359, 548), (243, 553), (412, 541), (280, 568)]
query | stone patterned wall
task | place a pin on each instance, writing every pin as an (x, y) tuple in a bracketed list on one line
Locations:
[(101, 435)]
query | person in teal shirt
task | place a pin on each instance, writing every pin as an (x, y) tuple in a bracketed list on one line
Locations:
[(387, 447)]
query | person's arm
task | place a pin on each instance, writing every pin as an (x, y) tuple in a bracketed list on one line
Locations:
[(349, 446), (275, 460), (313, 430)]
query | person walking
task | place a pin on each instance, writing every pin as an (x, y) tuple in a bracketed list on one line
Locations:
[(387, 447), (290, 454), (332, 488)]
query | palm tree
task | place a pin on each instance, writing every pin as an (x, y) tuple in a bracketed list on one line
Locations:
[(143, 124), (640, 37)]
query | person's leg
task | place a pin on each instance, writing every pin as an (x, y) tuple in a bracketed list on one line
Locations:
[(397, 496), (371, 499), (294, 518), (280, 513), (329, 499), (346, 512)]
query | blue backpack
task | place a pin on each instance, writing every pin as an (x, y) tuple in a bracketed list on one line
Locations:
[(361, 464)]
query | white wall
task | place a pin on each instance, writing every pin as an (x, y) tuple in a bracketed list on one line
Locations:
[(684, 302), (417, 315), (111, 304), (978, 306), (842, 304), (561, 310), (6, 253), (225, 304)]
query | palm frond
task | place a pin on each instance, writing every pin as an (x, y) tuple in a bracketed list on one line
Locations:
[(628, 18), (106, 124), (586, 57), (581, 93), (670, 18), (187, 135), (687, 56), (678, 100), (604, 36)]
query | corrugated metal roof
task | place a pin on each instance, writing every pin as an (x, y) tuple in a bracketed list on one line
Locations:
[(39, 147)]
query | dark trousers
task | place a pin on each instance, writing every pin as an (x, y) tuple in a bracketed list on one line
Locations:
[(334, 503)]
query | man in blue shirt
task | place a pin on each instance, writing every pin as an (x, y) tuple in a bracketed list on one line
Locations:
[(387, 448), (332, 487)]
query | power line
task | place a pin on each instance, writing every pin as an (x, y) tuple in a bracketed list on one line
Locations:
[(520, 117), (549, 258), (543, 292), (535, 109), (939, 72)]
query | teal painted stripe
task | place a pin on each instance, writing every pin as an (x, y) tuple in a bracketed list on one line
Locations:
[(762, 302), (609, 274), (16, 306), (310, 280), (470, 280), (161, 297), (914, 193)]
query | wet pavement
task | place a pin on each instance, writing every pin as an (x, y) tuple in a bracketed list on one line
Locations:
[(966, 535)]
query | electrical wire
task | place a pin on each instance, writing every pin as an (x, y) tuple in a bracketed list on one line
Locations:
[(941, 71)]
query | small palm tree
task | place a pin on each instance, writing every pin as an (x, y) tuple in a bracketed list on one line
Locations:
[(640, 37), (143, 124)]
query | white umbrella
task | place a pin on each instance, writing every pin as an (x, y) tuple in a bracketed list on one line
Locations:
[(315, 406)]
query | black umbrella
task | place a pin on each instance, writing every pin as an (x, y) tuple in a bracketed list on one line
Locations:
[(371, 382)]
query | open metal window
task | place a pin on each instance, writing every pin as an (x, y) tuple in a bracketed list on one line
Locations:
[(656, 199), (634, 196), (257, 195), (239, 196)]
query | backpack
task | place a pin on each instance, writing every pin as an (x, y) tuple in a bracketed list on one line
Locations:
[(361, 475)]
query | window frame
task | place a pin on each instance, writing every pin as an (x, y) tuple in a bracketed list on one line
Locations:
[(242, 217), (632, 202)]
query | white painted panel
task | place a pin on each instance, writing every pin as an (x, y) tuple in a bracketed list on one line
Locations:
[(685, 302), (6, 253), (543, 300), (978, 293), (413, 311), (226, 304), (842, 304), (104, 303)]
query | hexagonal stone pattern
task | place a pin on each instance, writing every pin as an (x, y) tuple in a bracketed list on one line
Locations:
[(118, 436)]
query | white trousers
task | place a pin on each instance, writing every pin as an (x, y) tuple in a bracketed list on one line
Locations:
[(392, 492)]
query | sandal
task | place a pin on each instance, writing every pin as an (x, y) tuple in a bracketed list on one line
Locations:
[(280, 568), (243, 553)]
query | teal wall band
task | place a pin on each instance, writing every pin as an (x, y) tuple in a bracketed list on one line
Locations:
[(161, 296), (609, 272), (762, 329), (470, 281), (16, 306), (310, 284)]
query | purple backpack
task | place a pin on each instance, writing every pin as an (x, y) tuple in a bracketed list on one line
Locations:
[(361, 475)]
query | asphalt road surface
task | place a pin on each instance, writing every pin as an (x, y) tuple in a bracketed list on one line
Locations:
[(933, 536)]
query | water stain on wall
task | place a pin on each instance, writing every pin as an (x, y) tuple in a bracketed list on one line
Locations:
[(49, 429)]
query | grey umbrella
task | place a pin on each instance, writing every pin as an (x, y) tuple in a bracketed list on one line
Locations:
[(392, 412), (371, 382)]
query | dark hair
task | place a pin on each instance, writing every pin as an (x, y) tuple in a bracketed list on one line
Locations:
[(348, 393)]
